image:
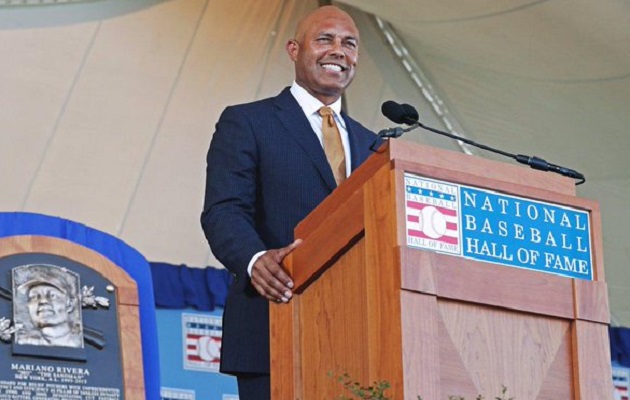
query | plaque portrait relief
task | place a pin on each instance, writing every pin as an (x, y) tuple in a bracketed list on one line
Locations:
[(46, 306), (60, 331)]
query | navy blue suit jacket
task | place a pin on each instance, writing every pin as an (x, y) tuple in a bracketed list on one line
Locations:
[(266, 171)]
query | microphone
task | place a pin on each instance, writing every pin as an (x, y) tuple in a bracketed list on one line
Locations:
[(407, 114), (411, 114), (400, 114)]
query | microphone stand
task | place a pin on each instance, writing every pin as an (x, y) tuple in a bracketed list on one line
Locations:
[(533, 162)]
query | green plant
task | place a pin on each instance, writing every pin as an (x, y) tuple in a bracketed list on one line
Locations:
[(374, 392), (377, 390), (503, 394)]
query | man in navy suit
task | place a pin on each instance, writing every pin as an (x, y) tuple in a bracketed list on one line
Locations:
[(266, 171)]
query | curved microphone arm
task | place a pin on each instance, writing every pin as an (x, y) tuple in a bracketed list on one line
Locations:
[(533, 162)]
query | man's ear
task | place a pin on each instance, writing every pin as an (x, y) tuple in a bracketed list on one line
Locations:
[(292, 47), (70, 305)]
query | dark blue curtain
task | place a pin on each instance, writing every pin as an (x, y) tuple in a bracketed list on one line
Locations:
[(14, 223), (620, 345), (180, 286)]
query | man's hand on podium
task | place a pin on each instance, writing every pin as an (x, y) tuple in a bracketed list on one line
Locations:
[(269, 277)]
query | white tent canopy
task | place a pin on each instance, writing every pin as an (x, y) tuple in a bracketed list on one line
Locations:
[(107, 107)]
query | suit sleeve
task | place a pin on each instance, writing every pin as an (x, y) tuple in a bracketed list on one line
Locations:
[(228, 217)]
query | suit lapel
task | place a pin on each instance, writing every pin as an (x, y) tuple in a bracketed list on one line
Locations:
[(355, 157), (360, 144), (295, 122)]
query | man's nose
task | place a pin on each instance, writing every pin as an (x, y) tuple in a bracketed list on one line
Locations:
[(337, 48)]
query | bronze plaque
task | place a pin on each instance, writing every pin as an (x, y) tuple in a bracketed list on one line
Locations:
[(59, 333)]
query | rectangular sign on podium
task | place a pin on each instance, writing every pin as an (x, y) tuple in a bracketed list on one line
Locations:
[(489, 226)]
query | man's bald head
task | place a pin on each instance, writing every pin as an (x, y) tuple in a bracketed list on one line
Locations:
[(325, 51), (322, 13)]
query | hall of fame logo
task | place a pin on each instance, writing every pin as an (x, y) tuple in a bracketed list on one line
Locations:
[(202, 342), (432, 214), (499, 228), (621, 382)]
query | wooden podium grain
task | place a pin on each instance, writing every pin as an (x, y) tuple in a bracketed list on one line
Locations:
[(431, 324)]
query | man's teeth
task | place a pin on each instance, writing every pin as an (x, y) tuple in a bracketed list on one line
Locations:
[(332, 67)]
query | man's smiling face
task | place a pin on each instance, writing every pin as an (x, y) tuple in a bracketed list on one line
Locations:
[(325, 52)]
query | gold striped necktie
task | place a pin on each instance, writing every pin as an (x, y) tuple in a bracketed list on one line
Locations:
[(332, 144)]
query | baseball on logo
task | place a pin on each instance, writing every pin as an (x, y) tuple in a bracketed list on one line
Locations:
[(432, 222), (209, 348)]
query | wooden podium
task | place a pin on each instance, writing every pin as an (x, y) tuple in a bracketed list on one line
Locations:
[(432, 324)]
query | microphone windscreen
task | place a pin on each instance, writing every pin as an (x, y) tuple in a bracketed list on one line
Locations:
[(411, 114), (393, 111)]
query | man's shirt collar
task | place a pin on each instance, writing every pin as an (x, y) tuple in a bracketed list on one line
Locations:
[(310, 104)]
